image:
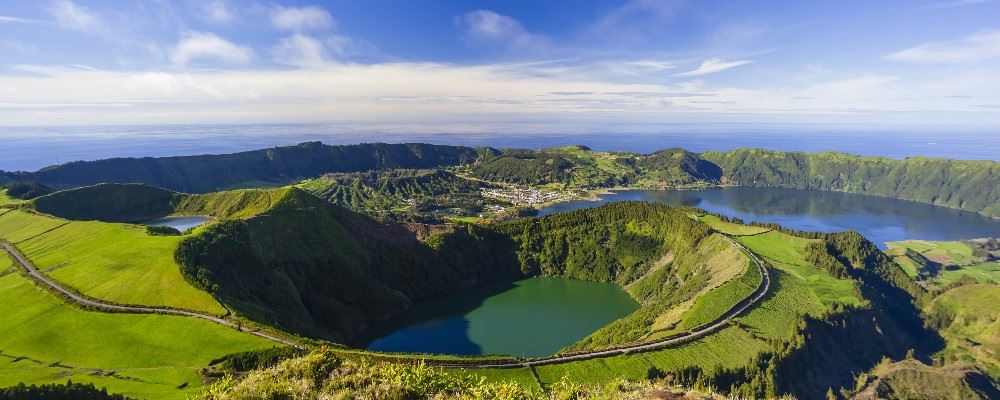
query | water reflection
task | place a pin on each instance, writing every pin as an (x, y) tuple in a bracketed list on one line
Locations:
[(878, 218)]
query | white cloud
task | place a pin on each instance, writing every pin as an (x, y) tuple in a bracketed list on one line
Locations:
[(982, 46), (301, 50), (952, 4), (444, 97), (206, 45), (713, 65), (72, 16), (634, 17), (300, 18), (17, 20), (219, 12), (485, 26)]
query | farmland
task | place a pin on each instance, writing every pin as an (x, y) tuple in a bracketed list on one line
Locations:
[(152, 356), (115, 262), (940, 264)]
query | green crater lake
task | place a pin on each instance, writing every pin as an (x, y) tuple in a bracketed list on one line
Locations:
[(531, 318)]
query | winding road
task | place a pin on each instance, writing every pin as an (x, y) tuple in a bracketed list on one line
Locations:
[(697, 333), (678, 339), (88, 302)]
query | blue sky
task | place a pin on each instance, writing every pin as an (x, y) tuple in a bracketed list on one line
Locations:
[(501, 65)]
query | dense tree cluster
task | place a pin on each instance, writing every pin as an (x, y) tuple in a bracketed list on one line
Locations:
[(969, 185), (278, 165), (66, 391), (382, 194), (25, 190), (109, 202)]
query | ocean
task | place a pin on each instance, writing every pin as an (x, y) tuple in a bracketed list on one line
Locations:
[(32, 148)]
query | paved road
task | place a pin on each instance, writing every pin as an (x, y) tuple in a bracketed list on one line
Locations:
[(117, 308), (686, 337)]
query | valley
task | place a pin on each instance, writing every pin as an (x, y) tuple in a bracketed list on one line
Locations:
[(724, 286)]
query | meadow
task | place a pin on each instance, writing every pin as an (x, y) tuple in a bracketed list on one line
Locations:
[(142, 356), (120, 263), (955, 260), (973, 332)]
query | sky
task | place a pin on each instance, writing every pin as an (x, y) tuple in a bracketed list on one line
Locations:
[(511, 65)]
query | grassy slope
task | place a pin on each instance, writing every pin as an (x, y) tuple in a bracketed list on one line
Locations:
[(713, 304), (116, 262), (232, 204), (5, 199), (150, 355), (955, 256), (797, 289), (974, 333), (969, 185)]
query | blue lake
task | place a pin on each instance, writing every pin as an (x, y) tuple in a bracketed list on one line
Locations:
[(179, 223), (879, 219), (532, 317)]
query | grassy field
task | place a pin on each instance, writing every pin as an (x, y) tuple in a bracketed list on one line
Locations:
[(716, 302), (243, 203), (787, 254), (6, 200), (116, 262), (43, 340), (974, 333), (729, 347), (947, 253), (730, 228), (955, 258)]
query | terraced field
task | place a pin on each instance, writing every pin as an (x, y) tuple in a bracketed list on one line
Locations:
[(119, 263)]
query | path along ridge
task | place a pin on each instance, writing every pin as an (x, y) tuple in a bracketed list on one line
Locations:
[(682, 338), (85, 301)]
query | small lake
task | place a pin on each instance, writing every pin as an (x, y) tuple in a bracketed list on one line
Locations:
[(532, 317), (880, 219), (179, 223)]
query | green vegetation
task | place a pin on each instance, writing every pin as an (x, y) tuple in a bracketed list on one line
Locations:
[(676, 167), (115, 262), (968, 185), (331, 273), (423, 195), (969, 320), (322, 374), (67, 391), (44, 340), (25, 190), (911, 379), (267, 167), (942, 265), (713, 304), (112, 202), (109, 203), (536, 168)]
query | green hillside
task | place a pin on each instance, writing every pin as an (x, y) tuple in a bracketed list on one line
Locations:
[(401, 194), (970, 322), (116, 262), (44, 340), (268, 167), (109, 203), (941, 265), (311, 267), (968, 185)]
